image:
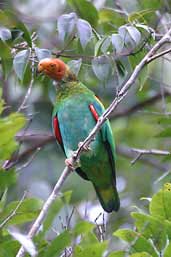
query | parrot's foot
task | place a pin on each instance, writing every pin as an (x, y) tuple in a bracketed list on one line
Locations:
[(69, 163), (85, 148)]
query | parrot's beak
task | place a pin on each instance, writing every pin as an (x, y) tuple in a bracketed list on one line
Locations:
[(39, 70)]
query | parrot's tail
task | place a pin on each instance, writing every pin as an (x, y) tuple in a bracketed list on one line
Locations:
[(108, 198)]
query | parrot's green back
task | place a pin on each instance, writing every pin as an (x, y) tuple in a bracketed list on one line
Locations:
[(74, 119)]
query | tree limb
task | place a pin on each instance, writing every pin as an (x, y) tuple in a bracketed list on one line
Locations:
[(40, 140), (121, 95), (151, 151), (128, 153)]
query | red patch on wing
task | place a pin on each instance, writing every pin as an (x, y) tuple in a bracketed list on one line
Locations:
[(57, 130), (93, 111)]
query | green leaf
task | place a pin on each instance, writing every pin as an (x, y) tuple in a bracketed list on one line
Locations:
[(5, 52), (168, 228), (88, 238), (102, 67), (6, 58), (165, 133), (42, 53), (86, 10), (5, 34), (82, 227), (21, 26), (118, 43), (160, 205), (93, 250), (130, 35), (134, 60), (137, 242), (151, 227), (3, 200), (16, 121), (98, 45), (75, 66), (84, 32), (143, 76), (58, 245), (167, 252), (1, 102), (106, 45), (5, 19), (107, 15), (7, 178), (7, 65), (26, 212), (9, 248), (55, 208), (142, 254), (66, 25), (117, 254), (146, 4), (20, 62)]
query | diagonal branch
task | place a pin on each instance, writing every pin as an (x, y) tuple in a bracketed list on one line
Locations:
[(121, 95)]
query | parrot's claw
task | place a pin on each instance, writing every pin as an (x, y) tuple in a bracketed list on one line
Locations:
[(69, 164), (85, 148)]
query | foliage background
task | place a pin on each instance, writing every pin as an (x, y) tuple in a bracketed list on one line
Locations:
[(34, 24)]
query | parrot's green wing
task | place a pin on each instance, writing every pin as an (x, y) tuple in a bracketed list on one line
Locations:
[(58, 136), (108, 196)]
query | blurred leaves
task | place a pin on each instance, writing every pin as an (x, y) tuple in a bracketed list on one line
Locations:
[(66, 26), (152, 230), (9, 126), (42, 53), (54, 209), (85, 37), (92, 250), (102, 67), (27, 211), (85, 10), (58, 244), (75, 66), (20, 63), (5, 33)]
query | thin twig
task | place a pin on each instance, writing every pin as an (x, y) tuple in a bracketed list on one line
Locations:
[(136, 158), (153, 162), (151, 151), (14, 212), (28, 93), (29, 161), (156, 56)]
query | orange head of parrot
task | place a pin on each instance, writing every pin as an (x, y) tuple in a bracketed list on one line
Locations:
[(55, 69)]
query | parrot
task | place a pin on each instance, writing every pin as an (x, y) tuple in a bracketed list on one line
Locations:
[(76, 111)]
